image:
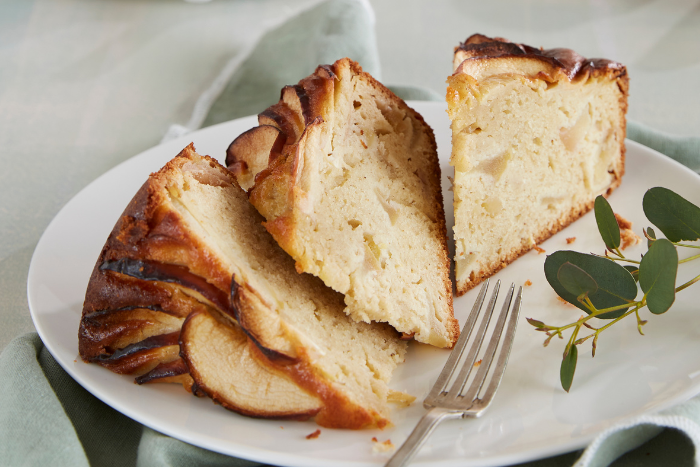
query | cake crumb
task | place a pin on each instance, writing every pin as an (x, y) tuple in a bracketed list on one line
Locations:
[(628, 237), (400, 398), (384, 446), (477, 364), (314, 435), (539, 250), (528, 283), (452, 184), (564, 301), (623, 223), (570, 240)]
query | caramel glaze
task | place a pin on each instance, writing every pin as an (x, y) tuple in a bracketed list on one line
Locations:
[(572, 64)]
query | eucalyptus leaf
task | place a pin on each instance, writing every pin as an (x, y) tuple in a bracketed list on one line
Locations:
[(652, 234), (535, 322), (615, 283), (675, 216), (657, 275), (634, 270), (568, 368), (607, 224), (575, 280)]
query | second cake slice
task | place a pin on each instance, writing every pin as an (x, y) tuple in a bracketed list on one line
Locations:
[(536, 136), (348, 179)]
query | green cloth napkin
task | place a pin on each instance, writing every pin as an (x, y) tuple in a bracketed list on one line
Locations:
[(46, 418)]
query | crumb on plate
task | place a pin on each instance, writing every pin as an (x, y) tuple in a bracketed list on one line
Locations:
[(314, 435), (628, 237), (402, 399), (384, 446), (570, 240)]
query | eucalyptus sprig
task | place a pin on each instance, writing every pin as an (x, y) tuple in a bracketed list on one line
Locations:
[(605, 289)]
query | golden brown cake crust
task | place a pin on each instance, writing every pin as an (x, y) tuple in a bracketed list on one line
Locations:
[(479, 52)]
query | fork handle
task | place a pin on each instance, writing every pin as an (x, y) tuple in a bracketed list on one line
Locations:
[(420, 433)]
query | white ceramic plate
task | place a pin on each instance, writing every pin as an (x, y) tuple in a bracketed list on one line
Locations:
[(531, 417)]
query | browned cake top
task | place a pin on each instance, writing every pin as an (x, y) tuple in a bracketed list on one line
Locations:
[(568, 61)]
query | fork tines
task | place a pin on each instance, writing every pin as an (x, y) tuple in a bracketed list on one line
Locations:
[(470, 403)]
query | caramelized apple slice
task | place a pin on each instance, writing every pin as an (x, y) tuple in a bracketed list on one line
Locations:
[(252, 151), (181, 276), (286, 119), (221, 362), (143, 356), (297, 100), (170, 372), (117, 329)]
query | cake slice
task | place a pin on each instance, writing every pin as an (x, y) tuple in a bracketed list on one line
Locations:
[(191, 288), (348, 180), (536, 136)]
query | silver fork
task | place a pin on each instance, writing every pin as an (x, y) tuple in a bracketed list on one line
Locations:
[(451, 404)]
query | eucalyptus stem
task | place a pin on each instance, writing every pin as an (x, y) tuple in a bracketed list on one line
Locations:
[(640, 321), (572, 342), (689, 259), (601, 329), (596, 313), (626, 314), (686, 245), (688, 284)]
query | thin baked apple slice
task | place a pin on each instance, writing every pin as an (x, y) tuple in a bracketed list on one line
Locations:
[(223, 365), (252, 151)]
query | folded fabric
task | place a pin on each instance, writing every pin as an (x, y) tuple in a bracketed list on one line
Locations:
[(685, 150), (252, 80), (46, 418)]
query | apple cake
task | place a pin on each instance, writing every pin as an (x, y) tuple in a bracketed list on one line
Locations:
[(536, 136), (190, 288), (348, 180)]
